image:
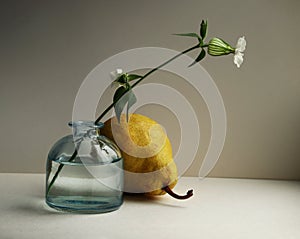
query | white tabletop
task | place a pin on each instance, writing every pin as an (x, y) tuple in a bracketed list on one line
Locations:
[(220, 208)]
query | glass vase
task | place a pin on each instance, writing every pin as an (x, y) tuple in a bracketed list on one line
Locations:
[(84, 171)]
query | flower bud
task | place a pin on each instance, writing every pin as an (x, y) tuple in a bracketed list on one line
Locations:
[(218, 47)]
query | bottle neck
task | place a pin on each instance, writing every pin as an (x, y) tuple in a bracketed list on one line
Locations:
[(83, 129)]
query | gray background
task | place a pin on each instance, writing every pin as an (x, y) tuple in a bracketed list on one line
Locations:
[(48, 47)]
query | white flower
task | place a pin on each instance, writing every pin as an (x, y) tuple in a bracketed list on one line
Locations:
[(115, 74), (239, 49)]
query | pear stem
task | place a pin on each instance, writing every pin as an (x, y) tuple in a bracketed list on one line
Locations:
[(174, 195)]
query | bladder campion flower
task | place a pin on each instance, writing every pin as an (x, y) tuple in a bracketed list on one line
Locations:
[(218, 47), (240, 48)]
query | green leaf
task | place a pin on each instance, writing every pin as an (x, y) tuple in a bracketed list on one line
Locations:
[(199, 58), (120, 101), (203, 29), (131, 101), (123, 95), (188, 35), (132, 77)]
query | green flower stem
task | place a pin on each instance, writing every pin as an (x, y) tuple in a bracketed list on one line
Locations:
[(143, 77), (59, 169), (112, 105)]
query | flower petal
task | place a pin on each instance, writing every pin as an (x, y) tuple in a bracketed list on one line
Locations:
[(115, 74), (241, 44), (238, 59)]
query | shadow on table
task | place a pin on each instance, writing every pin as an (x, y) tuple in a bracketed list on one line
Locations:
[(153, 200), (33, 206)]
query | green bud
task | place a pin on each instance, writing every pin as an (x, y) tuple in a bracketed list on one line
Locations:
[(203, 29), (122, 79), (218, 47)]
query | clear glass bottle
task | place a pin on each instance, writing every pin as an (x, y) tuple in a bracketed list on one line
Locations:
[(89, 181)]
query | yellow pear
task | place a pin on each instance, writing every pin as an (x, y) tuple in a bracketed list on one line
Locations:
[(147, 152)]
